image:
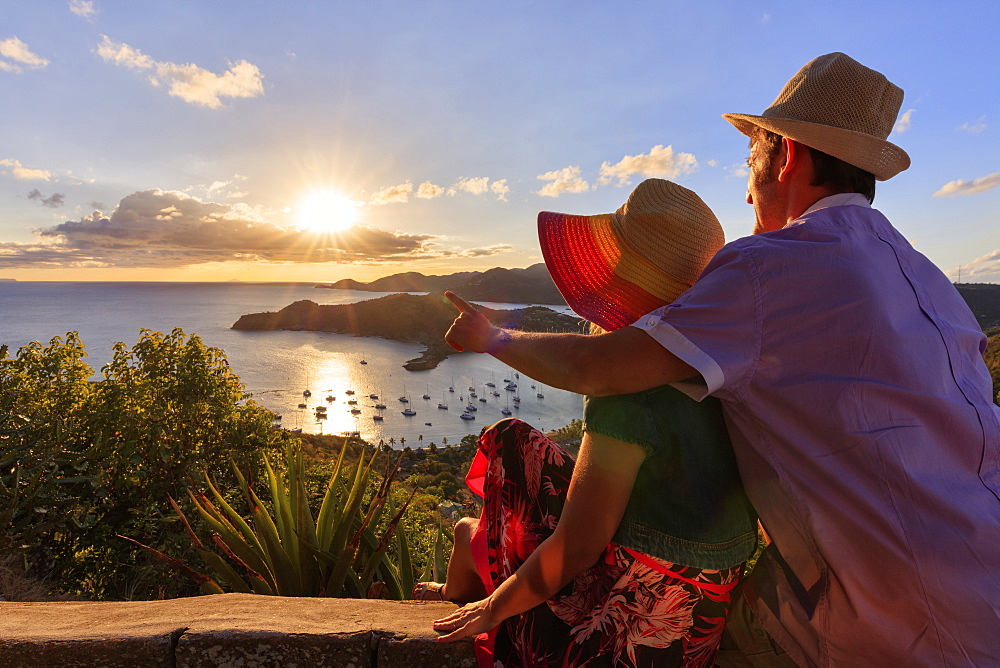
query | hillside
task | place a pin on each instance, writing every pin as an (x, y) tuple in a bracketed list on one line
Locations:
[(992, 358), (531, 285), (984, 300), (415, 318)]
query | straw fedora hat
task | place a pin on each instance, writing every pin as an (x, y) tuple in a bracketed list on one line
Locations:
[(838, 106), (614, 268)]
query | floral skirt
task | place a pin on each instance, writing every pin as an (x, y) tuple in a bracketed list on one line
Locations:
[(628, 609)]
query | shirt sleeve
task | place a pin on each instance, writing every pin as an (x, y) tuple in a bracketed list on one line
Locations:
[(715, 325)]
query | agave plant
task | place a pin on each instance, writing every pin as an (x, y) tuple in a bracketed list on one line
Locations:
[(288, 552)]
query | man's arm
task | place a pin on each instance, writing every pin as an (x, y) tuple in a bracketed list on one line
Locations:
[(620, 362)]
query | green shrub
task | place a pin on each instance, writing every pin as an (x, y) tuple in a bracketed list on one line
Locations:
[(100, 458)]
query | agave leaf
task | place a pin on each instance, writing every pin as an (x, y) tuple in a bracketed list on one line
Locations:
[(376, 557), (440, 560), (207, 583), (282, 507), (222, 567), (278, 559), (187, 525), (251, 554), (405, 561), (234, 517), (351, 508), (326, 522)]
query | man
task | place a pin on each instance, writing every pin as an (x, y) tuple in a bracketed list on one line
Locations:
[(852, 378)]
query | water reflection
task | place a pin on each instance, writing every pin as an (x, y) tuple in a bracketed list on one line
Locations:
[(331, 365)]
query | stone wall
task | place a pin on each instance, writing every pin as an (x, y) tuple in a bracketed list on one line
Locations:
[(228, 630)]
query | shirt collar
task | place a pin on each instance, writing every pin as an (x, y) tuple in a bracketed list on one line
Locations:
[(840, 199)]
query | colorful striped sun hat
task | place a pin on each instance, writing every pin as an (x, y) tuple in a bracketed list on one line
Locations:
[(614, 268)]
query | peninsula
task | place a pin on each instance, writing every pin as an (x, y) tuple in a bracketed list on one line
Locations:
[(531, 285), (420, 319)]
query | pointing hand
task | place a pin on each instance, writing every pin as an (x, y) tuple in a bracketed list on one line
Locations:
[(471, 330)]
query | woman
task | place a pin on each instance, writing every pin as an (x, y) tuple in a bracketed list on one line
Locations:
[(629, 555)]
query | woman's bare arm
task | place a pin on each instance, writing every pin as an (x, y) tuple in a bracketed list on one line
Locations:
[(598, 493)]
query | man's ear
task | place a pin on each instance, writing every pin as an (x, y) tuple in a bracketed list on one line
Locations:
[(790, 158)]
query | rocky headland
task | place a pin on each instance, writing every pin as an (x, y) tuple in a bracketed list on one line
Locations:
[(531, 285), (420, 319)]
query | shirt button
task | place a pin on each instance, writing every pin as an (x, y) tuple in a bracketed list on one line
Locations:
[(651, 321)]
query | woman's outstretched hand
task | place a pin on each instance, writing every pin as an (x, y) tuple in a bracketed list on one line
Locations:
[(469, 620), (471, 330)]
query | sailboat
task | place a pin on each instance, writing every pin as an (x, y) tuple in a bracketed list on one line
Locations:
[(427, 394)]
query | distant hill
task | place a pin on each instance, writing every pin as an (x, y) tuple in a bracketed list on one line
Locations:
[(401, 317), (984, 300), (992, 358), (531, 285)]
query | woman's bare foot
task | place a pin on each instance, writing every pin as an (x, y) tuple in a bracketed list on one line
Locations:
[(428, 591)]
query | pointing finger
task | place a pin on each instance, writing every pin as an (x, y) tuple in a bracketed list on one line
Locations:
[(460, 304)]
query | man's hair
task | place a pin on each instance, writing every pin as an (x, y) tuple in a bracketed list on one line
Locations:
[(829, 171)]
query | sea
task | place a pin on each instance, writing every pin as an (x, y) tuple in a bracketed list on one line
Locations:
[(280, 367)]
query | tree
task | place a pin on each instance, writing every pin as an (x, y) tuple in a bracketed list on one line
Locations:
[(164, 411)]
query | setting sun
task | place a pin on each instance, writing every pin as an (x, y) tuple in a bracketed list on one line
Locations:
[(327, 211)]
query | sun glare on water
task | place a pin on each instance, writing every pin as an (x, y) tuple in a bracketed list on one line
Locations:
[(327, 211)]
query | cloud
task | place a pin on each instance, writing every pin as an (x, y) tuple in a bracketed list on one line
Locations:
[(480, 186), (476, 186), (739, 170), (973, 128), (157, 228), (228, 189), (960, 187), (565, 180), (984, 269), (24, 173), (83, 8), (15, 56), (189, 82), (659, 162), (500, 189), (904, 122), (486, 251), (428, 190), (392, 195), (54, 201)]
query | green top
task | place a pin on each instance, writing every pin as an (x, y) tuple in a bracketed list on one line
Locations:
[(687, 505)]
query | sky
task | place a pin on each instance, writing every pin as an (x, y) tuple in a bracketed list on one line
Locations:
[(313, 141)]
